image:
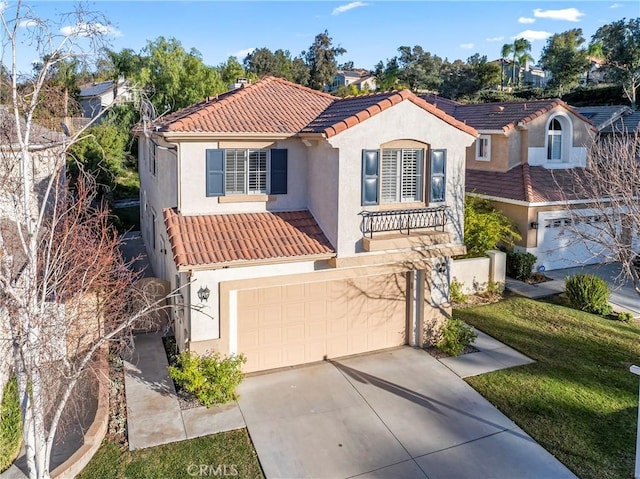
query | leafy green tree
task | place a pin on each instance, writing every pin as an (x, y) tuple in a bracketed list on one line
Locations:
[(300, 71), (620, 43), (506, 50), (566, 59), (262, 62), (419, 70), (520, 51), (321, 59), (101, 152), (486, 228), (487, 73), (387, 76), (175, 78), (231, 71), (122, 64)]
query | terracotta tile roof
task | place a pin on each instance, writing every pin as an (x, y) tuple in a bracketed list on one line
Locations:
[(210, 239), (274, 105), (271, 105), (533, 184), (499, 116), (346, 112)]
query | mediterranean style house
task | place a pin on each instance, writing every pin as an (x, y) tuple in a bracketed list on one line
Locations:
[(301, 226), (522, 162)]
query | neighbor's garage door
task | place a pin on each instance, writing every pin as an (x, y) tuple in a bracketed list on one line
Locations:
[(300, 323), (558, 246)]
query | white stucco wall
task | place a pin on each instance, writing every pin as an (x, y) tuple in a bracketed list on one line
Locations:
[(158, 192), (322, 195), (404, 121)]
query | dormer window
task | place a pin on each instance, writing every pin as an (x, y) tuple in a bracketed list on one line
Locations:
[(554, 141)]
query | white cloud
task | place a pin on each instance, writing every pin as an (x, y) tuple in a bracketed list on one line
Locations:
[(533, 35), (467, 46), (83, 29), (526, 20), (347, 7), (494, 39), (616, 5), (240, 54), (567, 14), (27, 23)]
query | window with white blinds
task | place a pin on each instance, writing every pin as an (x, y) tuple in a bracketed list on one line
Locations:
[(236, 171), (401, 172), (257, 171)]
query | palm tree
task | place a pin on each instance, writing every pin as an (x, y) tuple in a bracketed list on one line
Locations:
[(507, 48), (521, 54)]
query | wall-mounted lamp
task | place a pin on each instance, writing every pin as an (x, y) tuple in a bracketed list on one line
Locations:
[(203, 293), (534, 225)]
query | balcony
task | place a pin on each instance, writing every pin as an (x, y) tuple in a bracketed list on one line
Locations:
[(407, 228)]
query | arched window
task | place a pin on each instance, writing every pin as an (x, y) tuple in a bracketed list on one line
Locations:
[(554, 140)]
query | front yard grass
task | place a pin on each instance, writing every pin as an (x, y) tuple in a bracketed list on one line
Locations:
[(220, 455), (579, 400)]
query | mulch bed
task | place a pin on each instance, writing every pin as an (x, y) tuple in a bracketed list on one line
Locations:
[(117, 430), (438, 354)]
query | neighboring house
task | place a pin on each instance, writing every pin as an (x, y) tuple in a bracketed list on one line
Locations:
[(94, 98), (302, 226), (46, 153), (612, 119), (361, 79), (526, 75), (521, 162)]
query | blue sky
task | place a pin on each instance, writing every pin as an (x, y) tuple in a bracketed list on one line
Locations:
[(369, 30)]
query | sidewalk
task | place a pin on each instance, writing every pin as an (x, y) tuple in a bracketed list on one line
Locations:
[(154, 416)]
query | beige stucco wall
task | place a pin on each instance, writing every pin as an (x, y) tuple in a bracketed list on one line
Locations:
[(322, 193), (574, 150), (403, 121), (499, 154)]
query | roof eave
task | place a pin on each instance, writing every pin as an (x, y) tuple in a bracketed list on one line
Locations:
[(206, 135), (256, 262)]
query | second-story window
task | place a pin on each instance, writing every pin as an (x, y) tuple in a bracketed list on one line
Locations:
[(245, 171), (401, 175), (554, 140), (483, 148)]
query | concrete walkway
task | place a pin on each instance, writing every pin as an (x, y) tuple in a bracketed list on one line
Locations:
[(154, 416), (623, 297), (397, 413), (492, 356)]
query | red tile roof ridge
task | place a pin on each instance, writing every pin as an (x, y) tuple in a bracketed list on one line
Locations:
[(387, 100), (528, 188)]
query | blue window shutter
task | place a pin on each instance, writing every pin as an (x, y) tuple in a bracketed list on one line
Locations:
[(438, 183), (278, 172), (215, 172), (370, 176)]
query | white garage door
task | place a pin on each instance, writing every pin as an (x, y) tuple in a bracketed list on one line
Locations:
[(300, 323), (558, 245)]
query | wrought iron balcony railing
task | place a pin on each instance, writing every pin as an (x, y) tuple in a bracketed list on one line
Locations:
[(403, 220)]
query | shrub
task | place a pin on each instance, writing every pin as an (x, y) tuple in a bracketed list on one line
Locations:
[(486, 227), (520, 265), (625, 317), (588, 293), (211, 377), (456, 336), (10, 425), (455, 292), (495, 288)]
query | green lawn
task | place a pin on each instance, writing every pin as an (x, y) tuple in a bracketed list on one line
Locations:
[(209, 456), (579, 399)]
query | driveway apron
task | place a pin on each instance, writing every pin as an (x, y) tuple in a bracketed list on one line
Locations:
[(398, 413)]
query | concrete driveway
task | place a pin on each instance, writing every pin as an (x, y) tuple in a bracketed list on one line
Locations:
[(622, 293), (397, 413)]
